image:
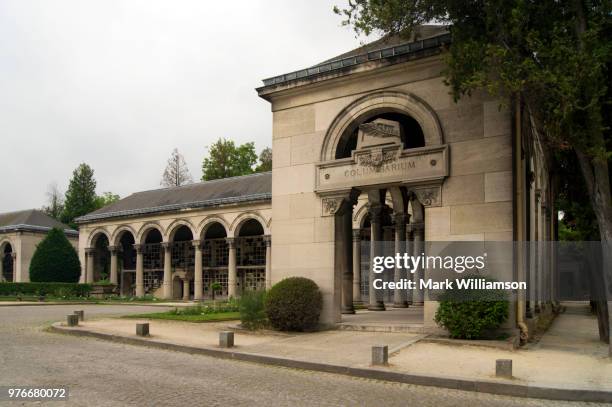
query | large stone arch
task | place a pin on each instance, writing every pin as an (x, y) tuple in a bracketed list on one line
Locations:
[(118, 234), (383, 102), (94, 234), (4, 241), (175, 225), (243, 217), (209, 220), (142, 232)]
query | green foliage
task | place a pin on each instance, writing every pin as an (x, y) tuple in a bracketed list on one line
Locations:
[(59, 290), (81, 195), (471, 313), (252, 309), (265, 160), (228, 160), (105, 199), (55, 260), (294, 304)]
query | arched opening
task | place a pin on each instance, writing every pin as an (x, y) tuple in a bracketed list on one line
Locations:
[(410, 131), (127, 264), (251, 256), (182, 261), (215, 259), (153, 261), (101, 258), (7, 263)]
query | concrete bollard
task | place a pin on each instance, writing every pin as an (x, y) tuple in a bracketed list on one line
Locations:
[(226, 339), (80, 314), (503, 368), (72, 320), (380, 355), (142, 329)]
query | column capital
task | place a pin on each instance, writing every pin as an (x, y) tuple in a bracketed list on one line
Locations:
[(89, 251), (197, 244), (114, 249), (268, 240), (231, 242), (415, 227), (166, 245), (356, 235), (375, 210), (138, 247), (13, 255), (401, 218)]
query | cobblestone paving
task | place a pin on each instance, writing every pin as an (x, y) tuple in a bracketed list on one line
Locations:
[(101, 373)]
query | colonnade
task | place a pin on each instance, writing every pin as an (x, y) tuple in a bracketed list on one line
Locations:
[(168, 274)]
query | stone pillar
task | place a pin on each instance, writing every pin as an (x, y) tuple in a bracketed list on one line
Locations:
[(344, 252), (185, 289), (400, 297), (376, 303), (14, 263), (167, 284), (268, 241), (140, 290), (417, 232), (231, 268), (113, 264), (198, 287), (90, 258), (410, 251), (356, 266)]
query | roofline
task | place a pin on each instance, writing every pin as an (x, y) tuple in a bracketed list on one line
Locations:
[(266, 196), (406, 49), (22, 227)]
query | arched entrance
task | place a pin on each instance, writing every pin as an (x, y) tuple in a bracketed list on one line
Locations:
[(7, 262), (389, 148), (251, 256), (215, 261), (126, 262), (101, 258), (152, 261), (182, 262)]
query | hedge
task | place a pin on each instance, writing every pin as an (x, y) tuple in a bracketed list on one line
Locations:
[(50, 289), (294, 304)]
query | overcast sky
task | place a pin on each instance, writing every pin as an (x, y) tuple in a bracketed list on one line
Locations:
[(119, 84)]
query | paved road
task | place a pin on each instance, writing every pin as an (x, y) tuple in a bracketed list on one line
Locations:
[(101, 373)]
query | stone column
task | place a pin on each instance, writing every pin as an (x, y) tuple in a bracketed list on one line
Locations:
[(185, 289), (376, 303), (198, 287), (356, 266), (231, 268), (90, 258), (410, 251), (14, 263), (417, 232), (400, 297), (344, 252), (113, 264), (268, 241), (167, 284), (140, 289)]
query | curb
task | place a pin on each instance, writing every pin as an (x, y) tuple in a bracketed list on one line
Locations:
[(483, 386)]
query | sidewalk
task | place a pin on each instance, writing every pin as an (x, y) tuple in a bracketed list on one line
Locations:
[(567, 359)]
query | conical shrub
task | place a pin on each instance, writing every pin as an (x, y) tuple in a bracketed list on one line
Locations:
[(55, 260)]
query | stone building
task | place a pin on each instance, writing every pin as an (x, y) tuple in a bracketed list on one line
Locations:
[(368, 147), (20, 232)]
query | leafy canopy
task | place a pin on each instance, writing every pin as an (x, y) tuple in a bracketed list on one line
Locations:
[(225, 159), (81, 194)]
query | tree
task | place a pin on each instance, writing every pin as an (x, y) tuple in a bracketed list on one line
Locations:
[(176, 172), (105, 199), (55, 202), (81, 194), (265, 160), (554, 56), (55, 260), (226, 160)]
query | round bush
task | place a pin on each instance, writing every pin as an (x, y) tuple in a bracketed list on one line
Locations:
[(55, 260), (294, 304), (470, 313)]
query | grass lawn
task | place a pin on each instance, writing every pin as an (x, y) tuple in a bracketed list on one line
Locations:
[(171, 315), (48, 299)]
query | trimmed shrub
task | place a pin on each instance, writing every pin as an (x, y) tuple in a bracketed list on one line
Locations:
[(294, 304), (252, 309), (55, 260), (50, 289), (471, 313)]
